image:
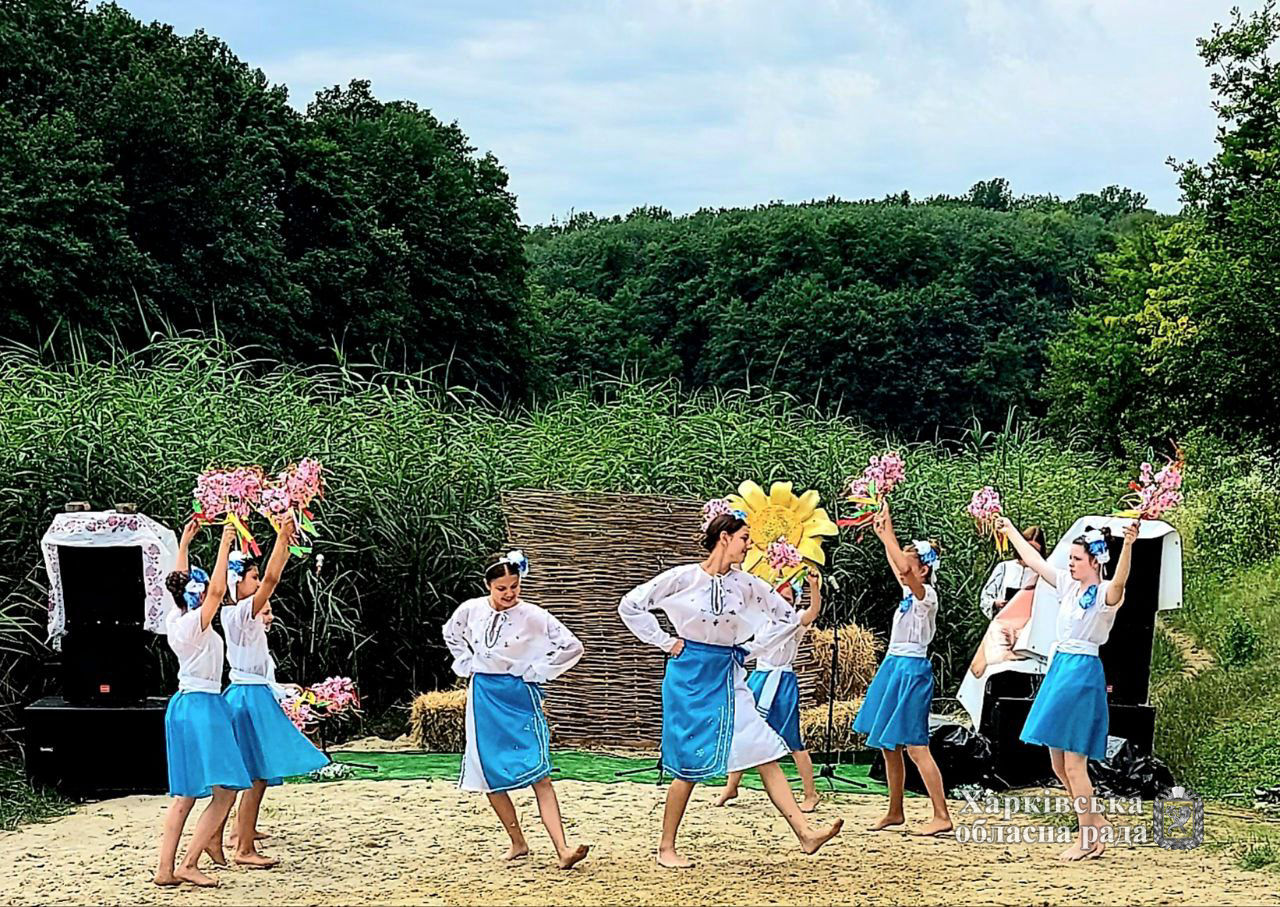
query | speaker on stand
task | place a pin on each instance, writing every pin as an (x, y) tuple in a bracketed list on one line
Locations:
[(104, 650)]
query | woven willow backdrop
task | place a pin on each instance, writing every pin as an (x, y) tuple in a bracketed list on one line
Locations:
[(586, 552)]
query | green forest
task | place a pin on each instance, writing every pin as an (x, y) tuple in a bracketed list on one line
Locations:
[(194, 271)]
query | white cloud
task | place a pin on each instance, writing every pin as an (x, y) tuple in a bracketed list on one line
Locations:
[(686, 103)]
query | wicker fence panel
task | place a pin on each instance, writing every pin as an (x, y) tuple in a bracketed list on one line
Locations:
[(586, 552)]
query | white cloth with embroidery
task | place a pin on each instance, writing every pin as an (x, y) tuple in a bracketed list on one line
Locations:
[(525, 641), (107, 529), (733, 609), (1082, 630), (199, 651)]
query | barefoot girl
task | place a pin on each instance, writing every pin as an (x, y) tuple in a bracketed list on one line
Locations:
[(773, 683), (508, 648), (710, 725), (272, 748), (895, 712), (1069, 713), (201, 746)]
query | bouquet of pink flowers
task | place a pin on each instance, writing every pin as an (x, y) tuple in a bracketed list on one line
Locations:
[(292, 493), (1154, 493), (308, 706), (782, 555), (985, 509), (229, 496), (882, 475)]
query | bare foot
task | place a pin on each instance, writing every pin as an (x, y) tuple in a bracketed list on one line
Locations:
[(811, 844), (254, 860), (166, 880), (1073, 853), (669, 859), (888, 820), (726, 795), (570, 858), (516, 851), (217, 855), (1099, 841), (934, 827), (194, 876), (810, 804)]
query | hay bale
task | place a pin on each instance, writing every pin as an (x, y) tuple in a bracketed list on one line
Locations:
[(438, 721), (859, 657), (813, 725)]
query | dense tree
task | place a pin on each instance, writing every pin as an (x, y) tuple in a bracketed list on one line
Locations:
[(148, 178), (1193, 312), (914, 316)]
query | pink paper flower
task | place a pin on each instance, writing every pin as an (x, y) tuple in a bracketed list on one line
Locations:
[(880, 477), (782, 555)]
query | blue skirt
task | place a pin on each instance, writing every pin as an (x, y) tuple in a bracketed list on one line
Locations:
[(895, 711), (1070, 709), (783, 713), (201, 746), (697, 710), (508, 741), (272, 748)]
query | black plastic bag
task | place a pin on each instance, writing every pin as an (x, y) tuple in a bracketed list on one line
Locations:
[(963, 757), (1132, 773)]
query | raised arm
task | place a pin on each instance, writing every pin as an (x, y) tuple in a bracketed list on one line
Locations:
[(776, 621), (1027, 552), (217, 590), (275, 565), (1115, 589), (189, 531), (893, 551)]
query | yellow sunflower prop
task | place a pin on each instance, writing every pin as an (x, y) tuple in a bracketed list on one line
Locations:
[(781, 519)]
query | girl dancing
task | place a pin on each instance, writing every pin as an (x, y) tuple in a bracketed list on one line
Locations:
[(508, 648)]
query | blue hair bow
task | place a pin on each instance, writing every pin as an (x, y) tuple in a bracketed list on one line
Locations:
[(516, 558), (196, 584), (237, 563), (741, 514)]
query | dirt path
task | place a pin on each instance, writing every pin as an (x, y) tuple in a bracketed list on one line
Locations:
[(425, 842), (1196, 658)]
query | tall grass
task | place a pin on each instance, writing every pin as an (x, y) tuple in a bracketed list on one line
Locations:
[(416, 470), (1220, 730)]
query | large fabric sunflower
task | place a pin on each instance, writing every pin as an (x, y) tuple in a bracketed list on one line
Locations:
[(781, 515)]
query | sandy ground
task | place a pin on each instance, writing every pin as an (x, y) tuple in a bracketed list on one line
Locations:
[(368, 842)]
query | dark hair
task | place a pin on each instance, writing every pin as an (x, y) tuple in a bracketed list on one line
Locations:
[(1107, 536), (1034, 535), (497, 567), (176, 583), (725, 522)]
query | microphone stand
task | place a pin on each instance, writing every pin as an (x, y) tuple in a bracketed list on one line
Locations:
[(827, 769)]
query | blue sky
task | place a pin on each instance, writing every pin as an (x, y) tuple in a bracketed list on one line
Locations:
[(604, 105)]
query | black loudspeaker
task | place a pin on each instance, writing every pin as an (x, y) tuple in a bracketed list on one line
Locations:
[(1022, 764), (104, 650), (92, 751), (1126, 658)]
